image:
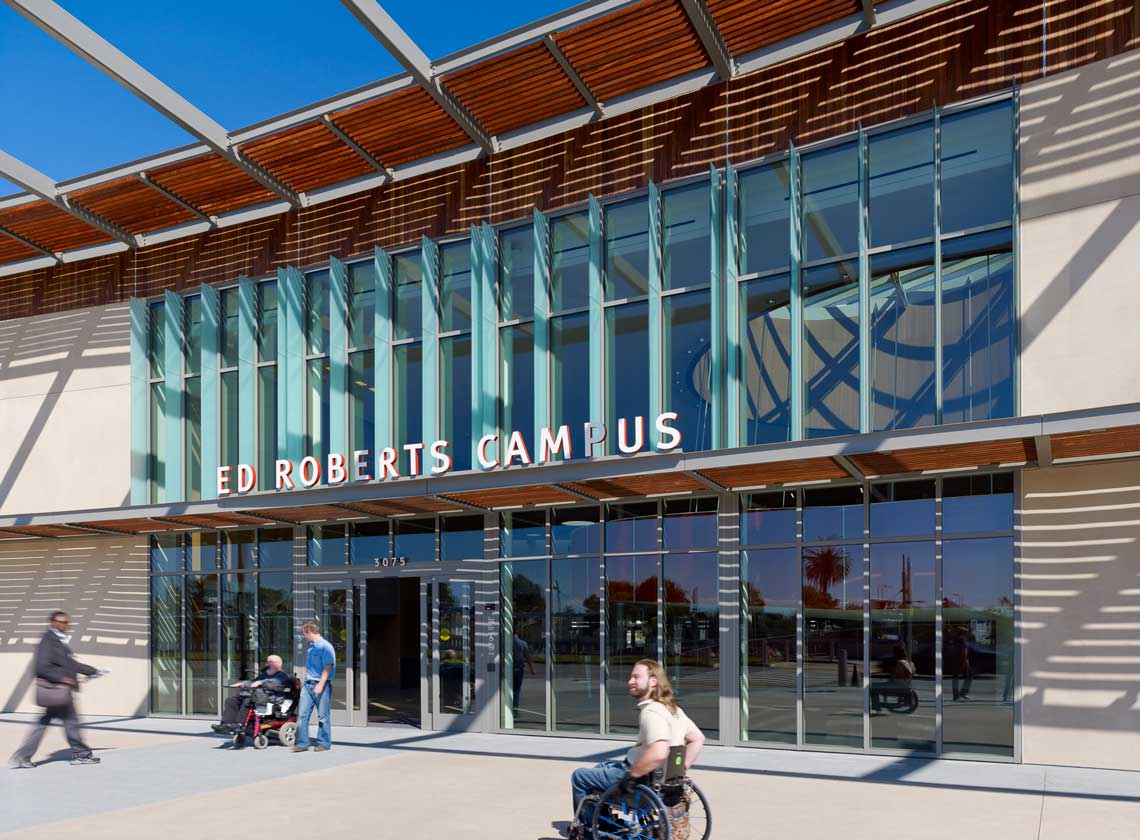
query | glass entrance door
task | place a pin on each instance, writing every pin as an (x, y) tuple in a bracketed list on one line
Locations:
[(335, 613), (452, 654)]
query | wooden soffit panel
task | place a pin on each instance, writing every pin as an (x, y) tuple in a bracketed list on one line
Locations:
[(401, 127), (517, 88), (636, 47), (219, 520), (1126, 439), (10, 534), (56, 531), (779, 472), (658, 484), (307, 157), (403, 507), (50, 227), (133, 526), (306, 514), (504, 497), (989, 453), (212, 184), (748, 25), (12, 250), (132, 205)]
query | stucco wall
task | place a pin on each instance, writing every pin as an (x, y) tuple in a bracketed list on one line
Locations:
[(1080, 237), (102, 583), (1080, 615), (65, 411)]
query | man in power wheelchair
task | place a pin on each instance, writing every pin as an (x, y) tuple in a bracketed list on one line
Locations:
[(648, 794), (272, 685)]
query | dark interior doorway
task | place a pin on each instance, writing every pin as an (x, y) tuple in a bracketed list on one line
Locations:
[(394, 650)]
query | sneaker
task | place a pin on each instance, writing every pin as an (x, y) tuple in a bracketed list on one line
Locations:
[(300, 749), (319, 748), (20, 763), (86, 759)]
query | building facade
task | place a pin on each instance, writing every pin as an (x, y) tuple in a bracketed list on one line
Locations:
[(801, 381)]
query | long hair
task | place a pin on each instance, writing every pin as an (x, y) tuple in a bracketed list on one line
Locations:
[(663, 693)]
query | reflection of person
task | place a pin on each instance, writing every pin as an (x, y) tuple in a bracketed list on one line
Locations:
[(902, 673), (960, 662), (520, 662), (661, 725), (234, 712), (56, 667), (320, 668)]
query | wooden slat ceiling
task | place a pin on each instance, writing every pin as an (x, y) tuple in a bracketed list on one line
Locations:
[(401, 127), (306, 514), (748, 25), (637, 485), (517, 88), (503, 497), (212, 184), (132, 205), (12, 250), (50, 227), (780, 472), (219, 520), (134, 526), (307, 157), (1091, 444), (635, 47), (57, 531), (990, 453), (402, 507)]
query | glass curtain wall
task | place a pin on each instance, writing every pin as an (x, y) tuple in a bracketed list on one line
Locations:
[(229, 408), (516, 337), (156, 407), (625, 274), (407, 353), (266, 383), (570, 323), (317, 367), (455, 352), (361, 356), (192, 399)]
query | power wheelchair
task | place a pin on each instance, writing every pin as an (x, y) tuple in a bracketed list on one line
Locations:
[(666, 805)]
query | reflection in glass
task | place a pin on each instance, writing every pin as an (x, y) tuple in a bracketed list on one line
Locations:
[(407, 320), (239, 627), (166, 644), (523, 645), (332, 619), (689, 523), (236, 549), (454, 401), (830, 202), (522, 534), (768, 518), (626, 271), (229, 414), (461, 538), (570, 261), (407, 408), (686, 227), (766, 359), (362, 305), (193, 315), (267, 426), (631, 527), (267, 321), (156, 340), (631, 631), (156, 455), (362, 401), (203, 553), (455, 286), (275, 548), (901, 180), (368, 543), (317, 286), (770, 595), (627, 371), (833, 513), (977, 503), (317, 422), (576, 530), (275, 615), (692, 636), (575, 644), (831, 350), (230, 327), (456, 649), (977, 646), (516, 273), (516, 404), (201, 644), (688, 368), (902, 646), (192, 438), (764, 203), (902, 509), (415, 539), (833, 645), (326, 545), (570, 375), (977, 167)]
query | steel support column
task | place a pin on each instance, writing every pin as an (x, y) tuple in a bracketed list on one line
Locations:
[(174, 327), (211, 437)]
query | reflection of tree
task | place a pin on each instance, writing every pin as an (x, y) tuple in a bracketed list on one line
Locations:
[(674, 594), (814, 599), (754, 596), (825, 566), (623, 590)]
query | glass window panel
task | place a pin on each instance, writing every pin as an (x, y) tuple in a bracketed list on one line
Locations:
[(239, 628), (688, 369), (461, 538), (901, 198), (570, 261), (831, 350), (362, 400), (516, 405), (570, 375), (575, 644), (768, 518), (455, 399), (362, 305), (369, 542), (407, 407), (167, 553), (627, 249), (407, 320), (976, 504), (977, 167), (236, 550), (230, 318), (415, 539), (977, 334), (576, 530), (203, 555), (627, 372), (692, 636), (764, 211), (516, 273), (326, 545), (977, 640), (165, 644), (275, 548), (523, 644), (455, 287), (631, 631), (229, 416), (522, 534), (156, 340), (317, 287), (770, 592), (766, 363), (267, 322), (902, 509), (156, 457), (686, 226), (192, 441), (830, 202), (833, 513), (833, 645), (317, 410), (689, 523), (202, 644), (631, 527), (902, 654), (267, 426), (193, 311), (275, 616), (902, 339)]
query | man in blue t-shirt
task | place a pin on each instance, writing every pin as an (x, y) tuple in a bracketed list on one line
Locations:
[(320, 668)]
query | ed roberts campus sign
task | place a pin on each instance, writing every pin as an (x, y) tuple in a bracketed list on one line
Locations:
[(489, 452)]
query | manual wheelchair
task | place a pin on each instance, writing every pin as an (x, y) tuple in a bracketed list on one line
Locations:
[(667, 805)]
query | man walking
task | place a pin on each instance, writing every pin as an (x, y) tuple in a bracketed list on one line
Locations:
[(56, 681), (320, 669)]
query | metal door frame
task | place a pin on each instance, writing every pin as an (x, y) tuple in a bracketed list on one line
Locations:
[(430, 684), (345, 671)]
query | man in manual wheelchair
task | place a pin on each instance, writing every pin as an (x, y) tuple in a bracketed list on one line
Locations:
[(648, 794)]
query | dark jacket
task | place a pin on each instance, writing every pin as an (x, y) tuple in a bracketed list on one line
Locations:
[(54, 661)]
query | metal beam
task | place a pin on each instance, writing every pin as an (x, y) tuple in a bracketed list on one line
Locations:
[(185, 205), (868, 12), (385, 30), (1044, 446), (852, 470), (28, 243), (450, 500), (572, 75), (707, 482), (344, 137), (711, 39), (101, 54)]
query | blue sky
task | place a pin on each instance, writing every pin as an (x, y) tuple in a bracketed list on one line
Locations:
[(239, 61)]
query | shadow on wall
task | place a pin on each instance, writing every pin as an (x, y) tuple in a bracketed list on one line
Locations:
[(1079, 586), (50, 355), (102, 584)]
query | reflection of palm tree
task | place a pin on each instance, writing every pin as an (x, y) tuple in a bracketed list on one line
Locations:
[(825, 566)]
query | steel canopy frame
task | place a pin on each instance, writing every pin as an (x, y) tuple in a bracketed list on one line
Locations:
[(715, 47)]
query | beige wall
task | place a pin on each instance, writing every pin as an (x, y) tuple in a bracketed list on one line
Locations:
[(1080, 237), (65, 408), (1080, 616)]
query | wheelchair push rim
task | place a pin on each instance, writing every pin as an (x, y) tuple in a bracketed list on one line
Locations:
[(700, 817), (638, 815)]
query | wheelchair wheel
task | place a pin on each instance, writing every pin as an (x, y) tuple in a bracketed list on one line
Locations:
[(700, 817), (638, 815), (238, 740), (260, 742), (287, 734)]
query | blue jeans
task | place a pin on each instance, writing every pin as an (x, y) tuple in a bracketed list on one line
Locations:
[(596, 779), (321, 702)]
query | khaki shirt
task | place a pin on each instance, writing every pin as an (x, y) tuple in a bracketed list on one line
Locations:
[(657, 723)]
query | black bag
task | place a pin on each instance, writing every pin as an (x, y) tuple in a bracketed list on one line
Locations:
[(52, 695)]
